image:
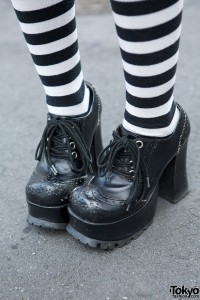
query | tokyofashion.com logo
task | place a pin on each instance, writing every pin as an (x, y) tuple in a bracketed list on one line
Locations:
[(182, 292)]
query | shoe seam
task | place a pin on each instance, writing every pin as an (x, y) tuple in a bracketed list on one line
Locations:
[(182, 133)]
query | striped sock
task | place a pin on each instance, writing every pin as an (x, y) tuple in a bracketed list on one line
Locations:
[(49, 27), (149, 33)]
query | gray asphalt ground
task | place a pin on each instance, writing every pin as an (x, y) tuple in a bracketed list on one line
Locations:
[(87, 7), (40, 264)]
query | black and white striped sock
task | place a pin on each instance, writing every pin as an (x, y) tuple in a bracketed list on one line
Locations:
[(149, 33), (49, 27)]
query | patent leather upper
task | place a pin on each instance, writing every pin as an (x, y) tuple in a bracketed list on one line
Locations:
[(51, 186), (104, 200)]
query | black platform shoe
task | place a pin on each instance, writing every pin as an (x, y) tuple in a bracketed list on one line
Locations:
[(120, 204), (68, 148)]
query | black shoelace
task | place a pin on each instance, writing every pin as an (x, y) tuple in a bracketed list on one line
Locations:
[(122, 156), (59, 139)]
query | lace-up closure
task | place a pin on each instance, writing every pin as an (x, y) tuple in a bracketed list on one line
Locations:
[(122, 156), (113, 209), (62, 138), (66, 155)]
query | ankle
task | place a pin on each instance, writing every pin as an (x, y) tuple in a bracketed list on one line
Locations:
[(74, 110), (154, 132)]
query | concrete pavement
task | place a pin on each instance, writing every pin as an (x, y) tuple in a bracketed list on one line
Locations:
[(42, 264), (88, 7)]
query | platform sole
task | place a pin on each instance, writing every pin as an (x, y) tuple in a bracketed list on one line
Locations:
[(48, 217), (115, 234), (45, 224), (104, 245)]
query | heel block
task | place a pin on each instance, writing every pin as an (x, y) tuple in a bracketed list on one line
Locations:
[(173, 184)]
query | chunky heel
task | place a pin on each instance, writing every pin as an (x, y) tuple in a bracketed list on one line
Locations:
[(173, 184), (96, 148)]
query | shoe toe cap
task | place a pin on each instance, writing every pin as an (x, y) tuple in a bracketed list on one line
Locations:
[(41, 190), (87, 203)]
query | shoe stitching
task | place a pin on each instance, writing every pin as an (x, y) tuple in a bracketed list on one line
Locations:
[(151, 146), (154, 146), (182, 133)]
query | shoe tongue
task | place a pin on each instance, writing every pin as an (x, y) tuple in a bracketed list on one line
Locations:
[(60, 138)]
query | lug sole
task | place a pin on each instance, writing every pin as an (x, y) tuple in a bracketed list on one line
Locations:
[(45, 224), (119, 233), (48, 217), (104, 245)]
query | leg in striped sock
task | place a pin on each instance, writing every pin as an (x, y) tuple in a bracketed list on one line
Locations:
[(149, 33), (50, 31)]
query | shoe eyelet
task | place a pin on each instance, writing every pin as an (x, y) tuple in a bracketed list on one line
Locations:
[(140, 144), (131, 171), (74, 154), (73, 146)]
